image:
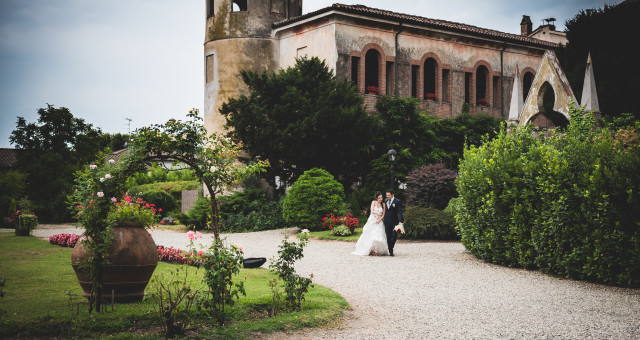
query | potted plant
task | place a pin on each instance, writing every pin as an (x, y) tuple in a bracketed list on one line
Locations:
[(430, 96), (132, 255), (374, 90), (482, 102)]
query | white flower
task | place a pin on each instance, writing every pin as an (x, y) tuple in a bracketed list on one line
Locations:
[(114, 200), (107, 176), (100, 194), (111, 161), (101, 179), (92, 166), (305, 231)]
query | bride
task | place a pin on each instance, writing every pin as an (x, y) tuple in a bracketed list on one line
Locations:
[(373, 240)]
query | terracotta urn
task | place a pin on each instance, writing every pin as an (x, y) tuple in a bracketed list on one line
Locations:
[(132, 259)]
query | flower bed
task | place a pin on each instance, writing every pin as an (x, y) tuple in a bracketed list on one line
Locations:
[(64, 240), (177, 256), (340, 225)]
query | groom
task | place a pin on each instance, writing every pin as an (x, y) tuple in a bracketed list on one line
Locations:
[(392, 218)]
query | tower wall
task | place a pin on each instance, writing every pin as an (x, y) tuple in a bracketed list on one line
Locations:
[(235, 41)]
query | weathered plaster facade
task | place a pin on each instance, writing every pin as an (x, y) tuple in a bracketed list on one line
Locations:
[(444, 64)]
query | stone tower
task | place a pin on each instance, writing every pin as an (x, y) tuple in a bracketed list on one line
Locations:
[(238, 37)]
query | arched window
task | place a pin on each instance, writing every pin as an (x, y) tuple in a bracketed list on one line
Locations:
[(429, 73), (372, 72), (239, 6), (527, 80), (481, 86)]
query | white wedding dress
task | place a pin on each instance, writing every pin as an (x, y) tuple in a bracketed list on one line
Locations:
[(373, 239)]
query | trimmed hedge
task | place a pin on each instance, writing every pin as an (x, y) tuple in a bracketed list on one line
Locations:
[(426, 223), (162, 200), (567, 204), (26, 224), (314, 195)]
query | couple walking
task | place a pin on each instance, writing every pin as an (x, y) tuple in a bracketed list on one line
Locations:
[(379, 234)]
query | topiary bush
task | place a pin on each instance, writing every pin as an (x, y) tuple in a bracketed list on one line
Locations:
[(426, 223), (567, 204), (431, 186), (314, 195), (26, 224)]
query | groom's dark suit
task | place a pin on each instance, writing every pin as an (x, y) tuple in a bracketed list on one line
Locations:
[(392, 217)]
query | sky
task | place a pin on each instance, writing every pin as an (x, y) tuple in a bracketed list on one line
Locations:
[(110, 61)]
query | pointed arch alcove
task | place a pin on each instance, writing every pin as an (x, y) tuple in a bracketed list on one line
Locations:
[(550, 95)]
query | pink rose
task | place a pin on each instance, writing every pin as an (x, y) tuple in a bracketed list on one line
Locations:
[(191, 235), (107, 176), (114, 200), (198, 234), (100, 194)]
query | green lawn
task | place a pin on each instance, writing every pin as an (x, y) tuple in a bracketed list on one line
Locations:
[(38, 274), (328, 235)]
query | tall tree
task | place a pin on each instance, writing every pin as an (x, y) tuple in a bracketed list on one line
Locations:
[(52, 149), (610, 34), (301, 118), (211, 157)]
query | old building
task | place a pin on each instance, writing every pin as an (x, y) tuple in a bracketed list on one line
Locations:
[(444, 64), (546, 32)]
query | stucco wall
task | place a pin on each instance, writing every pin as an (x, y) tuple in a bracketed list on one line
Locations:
[(230, 57), (315, 39)]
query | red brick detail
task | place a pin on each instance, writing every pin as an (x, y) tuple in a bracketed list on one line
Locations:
[(489, 85), (525, 71), (438, 74), (382, 67)]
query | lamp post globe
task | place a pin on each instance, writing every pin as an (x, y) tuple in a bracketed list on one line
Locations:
[(392, 157)]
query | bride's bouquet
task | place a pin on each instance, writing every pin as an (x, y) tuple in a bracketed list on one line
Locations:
[(399, 228)]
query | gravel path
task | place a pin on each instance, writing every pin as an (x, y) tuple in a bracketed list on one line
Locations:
[(436, 290)]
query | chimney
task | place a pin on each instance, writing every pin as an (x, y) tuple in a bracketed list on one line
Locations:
[(525, 26)]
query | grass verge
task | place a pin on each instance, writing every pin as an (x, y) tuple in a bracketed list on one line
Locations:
[(327, 235), (38, 274)]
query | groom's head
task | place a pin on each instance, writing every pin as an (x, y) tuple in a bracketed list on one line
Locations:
[(390, 194)]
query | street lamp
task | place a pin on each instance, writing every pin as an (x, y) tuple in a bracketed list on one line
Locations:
[(392, 157)]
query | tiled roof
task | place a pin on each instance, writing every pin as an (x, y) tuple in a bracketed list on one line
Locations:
[(7, 157), (426, 22)]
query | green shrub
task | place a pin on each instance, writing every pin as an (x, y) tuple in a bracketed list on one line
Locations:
[(452, 207), (314, 195), (567, 204), (426, 223), (341, 230), (431, 186), (26, 224), (239, 202), (172, 188), (250, 210), (262, 215), (161, 199), (199, 216)]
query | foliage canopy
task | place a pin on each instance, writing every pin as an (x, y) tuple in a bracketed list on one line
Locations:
[(301, 118)]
